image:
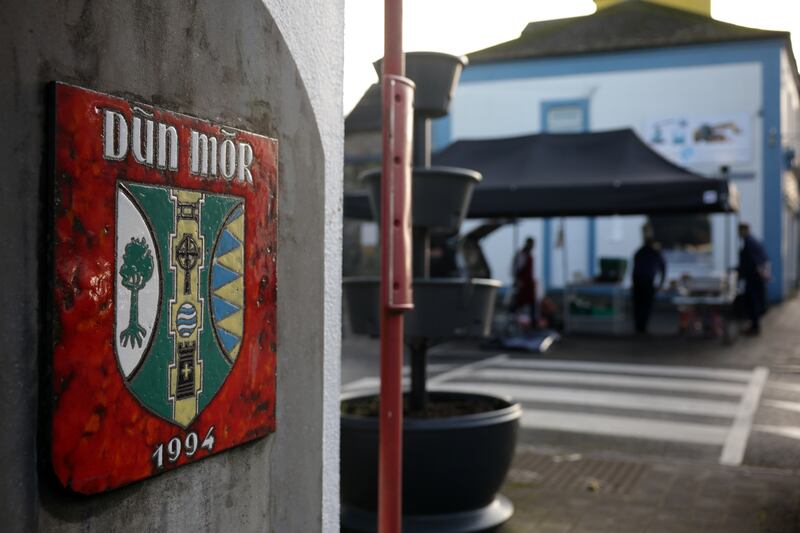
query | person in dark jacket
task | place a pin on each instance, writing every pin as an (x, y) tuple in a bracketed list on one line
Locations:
[(648, 264), (524, 282), (754, 270)]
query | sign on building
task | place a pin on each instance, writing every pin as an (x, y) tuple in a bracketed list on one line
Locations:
[(723, 139), (164, 295)]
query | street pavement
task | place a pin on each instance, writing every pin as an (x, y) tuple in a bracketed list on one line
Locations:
[(705, 436)]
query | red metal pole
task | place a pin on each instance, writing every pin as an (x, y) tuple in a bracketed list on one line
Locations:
[(393, 58), (396, 296)]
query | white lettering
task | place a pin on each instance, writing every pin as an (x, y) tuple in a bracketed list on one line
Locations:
[(115, 136), (174, 448), (207, 155), (212, 156), (227, 159), (244, 162), (165, 131), (145, 158), (158, 144), (195, 157), (201, 155)]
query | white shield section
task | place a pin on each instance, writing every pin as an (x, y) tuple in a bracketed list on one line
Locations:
[(131, 224)]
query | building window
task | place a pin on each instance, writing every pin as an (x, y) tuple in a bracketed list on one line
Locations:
[(565, 116)]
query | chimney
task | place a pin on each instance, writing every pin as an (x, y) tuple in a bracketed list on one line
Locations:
[(701, 7)]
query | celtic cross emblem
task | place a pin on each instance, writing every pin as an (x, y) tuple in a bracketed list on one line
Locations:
[(187, 255), (136, 271)]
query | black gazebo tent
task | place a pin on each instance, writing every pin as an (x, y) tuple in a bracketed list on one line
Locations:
[(583, 174)]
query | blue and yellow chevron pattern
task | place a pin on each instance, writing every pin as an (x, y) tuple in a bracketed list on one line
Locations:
[(227, 284)]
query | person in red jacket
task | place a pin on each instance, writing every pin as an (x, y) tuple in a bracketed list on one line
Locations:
[(524, 282)]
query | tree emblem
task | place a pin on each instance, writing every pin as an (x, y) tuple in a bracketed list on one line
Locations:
[(136, 271)]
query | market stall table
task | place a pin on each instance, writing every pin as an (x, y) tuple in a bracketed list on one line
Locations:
[(710, 310)]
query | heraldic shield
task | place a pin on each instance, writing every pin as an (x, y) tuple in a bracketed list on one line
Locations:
[(164, 289), (179, 295)]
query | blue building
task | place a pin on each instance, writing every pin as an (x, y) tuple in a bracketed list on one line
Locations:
[(710, 96)]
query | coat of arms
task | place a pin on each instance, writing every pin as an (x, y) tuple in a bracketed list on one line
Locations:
[(164, 296), (179, 295)]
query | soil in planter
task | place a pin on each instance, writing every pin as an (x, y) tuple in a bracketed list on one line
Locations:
[(437, 407)]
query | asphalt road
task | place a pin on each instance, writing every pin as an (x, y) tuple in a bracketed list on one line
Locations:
[(657, 397)]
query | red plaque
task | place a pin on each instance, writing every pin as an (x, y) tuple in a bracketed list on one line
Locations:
[(164, 301)]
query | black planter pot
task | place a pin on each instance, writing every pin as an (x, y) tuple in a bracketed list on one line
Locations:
[(444, 308), (440, 196), (436, 76), (453, 468)]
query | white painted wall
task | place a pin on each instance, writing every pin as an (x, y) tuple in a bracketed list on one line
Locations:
[(790, 106), (314, 33), (790, 139), (575, 262), (621, 99)]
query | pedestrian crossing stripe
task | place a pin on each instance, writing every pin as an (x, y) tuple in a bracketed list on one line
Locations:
[(679, 404), (610, 399), (613, 380)]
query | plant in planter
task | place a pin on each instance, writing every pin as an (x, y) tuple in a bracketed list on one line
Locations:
[(457, 446)]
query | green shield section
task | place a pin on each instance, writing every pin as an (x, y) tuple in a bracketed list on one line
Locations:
[(150, 384)]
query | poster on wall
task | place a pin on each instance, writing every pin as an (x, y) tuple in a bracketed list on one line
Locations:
[(164, 289), (722, 139)]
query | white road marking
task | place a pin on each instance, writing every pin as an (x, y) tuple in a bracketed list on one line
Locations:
[(736, 441), (792, 432), (619, 400), (614, 380), (781, 404), (622, 426), (655, 370), (468, 369), (373, 382), (432, 368)]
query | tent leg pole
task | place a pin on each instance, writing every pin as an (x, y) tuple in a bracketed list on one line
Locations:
[(564, 253), (727, 245), (515, 236)]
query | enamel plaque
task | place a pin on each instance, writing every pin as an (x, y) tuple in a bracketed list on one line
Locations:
[(164, 289)]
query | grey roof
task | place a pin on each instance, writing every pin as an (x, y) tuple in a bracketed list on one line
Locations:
[(366, 115), (624, 26), (630, 25)]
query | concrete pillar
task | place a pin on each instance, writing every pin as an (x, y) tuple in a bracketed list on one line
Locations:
[(270, 67)]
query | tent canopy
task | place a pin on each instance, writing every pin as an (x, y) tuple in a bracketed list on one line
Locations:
[(583, 174)]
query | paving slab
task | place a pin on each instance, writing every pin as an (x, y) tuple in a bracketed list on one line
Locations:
[(584, 495)]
